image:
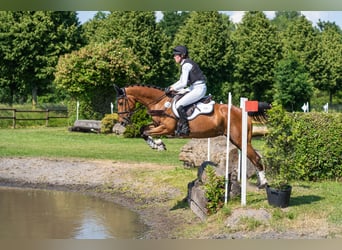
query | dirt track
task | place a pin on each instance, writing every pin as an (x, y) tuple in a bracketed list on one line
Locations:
[(106, 178)]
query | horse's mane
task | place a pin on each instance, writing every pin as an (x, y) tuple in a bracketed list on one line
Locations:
[(144, 85)]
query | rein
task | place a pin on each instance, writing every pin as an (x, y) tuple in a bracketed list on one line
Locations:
[(150, 112)]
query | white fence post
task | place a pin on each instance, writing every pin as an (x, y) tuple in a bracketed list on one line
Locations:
[(227, 148), (244, 153)]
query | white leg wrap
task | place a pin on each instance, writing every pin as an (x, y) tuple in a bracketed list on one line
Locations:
[(262, 177)]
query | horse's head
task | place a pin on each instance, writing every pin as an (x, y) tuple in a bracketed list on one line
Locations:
[(125, 105)]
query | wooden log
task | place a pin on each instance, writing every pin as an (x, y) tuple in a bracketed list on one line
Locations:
[(259, 130), (86, 126)]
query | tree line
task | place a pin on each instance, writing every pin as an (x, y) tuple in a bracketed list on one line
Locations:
[(51, 55)]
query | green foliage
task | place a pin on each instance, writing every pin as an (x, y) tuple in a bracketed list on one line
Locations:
[(249, 223), (214, 190), (108, 122), (327, 66), (138, 31), (318, 148), (30, 44), (257, 50), (172, 21), (303, 146), (238, 58), (292, 86), (139, 119), (207, 36), (299, 38), (283, 18), (279, 143), (88, 75)]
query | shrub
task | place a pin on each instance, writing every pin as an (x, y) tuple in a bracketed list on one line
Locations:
[(139, 119), (279, 143), (303, 146), (108, 122), (214, 190), (318, 148)]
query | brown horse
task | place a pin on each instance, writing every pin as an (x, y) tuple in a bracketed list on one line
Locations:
[(212, 124)]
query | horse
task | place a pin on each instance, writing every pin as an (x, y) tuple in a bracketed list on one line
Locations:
[(211, 123)]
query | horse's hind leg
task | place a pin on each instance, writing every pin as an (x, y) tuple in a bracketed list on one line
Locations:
[(255, 158)]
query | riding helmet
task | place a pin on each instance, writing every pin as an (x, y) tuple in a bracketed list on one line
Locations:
[(180, 50)]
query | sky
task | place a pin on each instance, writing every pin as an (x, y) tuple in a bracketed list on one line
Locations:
[(236, 16)]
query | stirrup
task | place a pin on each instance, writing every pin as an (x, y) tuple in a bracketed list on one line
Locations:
[(182, 130)]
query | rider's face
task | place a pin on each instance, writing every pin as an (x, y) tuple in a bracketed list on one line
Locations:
[(177, 58)]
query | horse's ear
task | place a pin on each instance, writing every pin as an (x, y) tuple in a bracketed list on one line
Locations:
[(119, 91)]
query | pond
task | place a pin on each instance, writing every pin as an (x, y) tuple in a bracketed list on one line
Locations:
[(47, 214)]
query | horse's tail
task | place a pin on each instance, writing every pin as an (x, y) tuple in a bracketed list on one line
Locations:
[(261, 114)]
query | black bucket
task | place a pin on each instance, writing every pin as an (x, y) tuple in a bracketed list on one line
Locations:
[(278, 198)]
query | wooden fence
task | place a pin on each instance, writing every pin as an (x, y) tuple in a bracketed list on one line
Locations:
[(48, 115)]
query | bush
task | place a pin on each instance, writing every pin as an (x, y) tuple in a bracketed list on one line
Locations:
[(108, 122), (214, 190), (303, 146), (139, 119), (318, 148)]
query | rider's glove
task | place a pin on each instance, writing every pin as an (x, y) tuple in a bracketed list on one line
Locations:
[(168, 90)]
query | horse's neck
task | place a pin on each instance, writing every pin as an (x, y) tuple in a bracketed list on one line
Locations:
[(146, 97)]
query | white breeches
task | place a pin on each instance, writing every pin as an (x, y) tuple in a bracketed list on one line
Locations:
[(196, 93)]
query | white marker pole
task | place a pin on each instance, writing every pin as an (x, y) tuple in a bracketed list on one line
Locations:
[(208, 149), (77, 109), (244, 153), (111, 107), (227, 148), (242, 99)]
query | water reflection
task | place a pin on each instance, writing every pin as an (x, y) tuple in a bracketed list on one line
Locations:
[(41, 214)]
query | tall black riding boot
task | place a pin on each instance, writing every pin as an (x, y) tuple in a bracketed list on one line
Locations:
[(183, 125)]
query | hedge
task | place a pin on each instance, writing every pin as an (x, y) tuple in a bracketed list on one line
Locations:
[(304, 146)]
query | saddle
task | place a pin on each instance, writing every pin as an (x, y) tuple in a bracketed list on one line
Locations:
[(203, 106)]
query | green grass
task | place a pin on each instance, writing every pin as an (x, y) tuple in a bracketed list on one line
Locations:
[(54, 111), (59, 142), (312, 204)]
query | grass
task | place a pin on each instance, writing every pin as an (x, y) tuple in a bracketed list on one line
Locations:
[(25, 118), (59, 142), (313, 206)]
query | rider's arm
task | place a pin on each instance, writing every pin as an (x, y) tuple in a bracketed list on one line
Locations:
[(183, 80)]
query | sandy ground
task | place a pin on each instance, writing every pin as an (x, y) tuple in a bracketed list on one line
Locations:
[(109, 180)]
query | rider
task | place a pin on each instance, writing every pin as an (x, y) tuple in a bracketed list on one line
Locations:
[(191, 75)]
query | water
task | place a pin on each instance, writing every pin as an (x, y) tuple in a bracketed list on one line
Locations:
[(46, 214)]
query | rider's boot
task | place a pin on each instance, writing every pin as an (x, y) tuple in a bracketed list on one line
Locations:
[(183, 124)]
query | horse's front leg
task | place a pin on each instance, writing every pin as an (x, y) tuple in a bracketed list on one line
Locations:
[(148, 131)]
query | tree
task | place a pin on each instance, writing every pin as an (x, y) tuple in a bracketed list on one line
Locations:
[(30, 44), (88, 75), (292, 85), (139, 31), (300, 38), (283, 18), (207, 36), (172, 21), (257, 50), (95, 25), (327, 67)]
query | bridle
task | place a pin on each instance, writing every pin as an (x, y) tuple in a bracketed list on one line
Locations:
[(122, 95), (127, 119)]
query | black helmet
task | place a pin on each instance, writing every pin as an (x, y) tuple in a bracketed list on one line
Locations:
[(180, 50)]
